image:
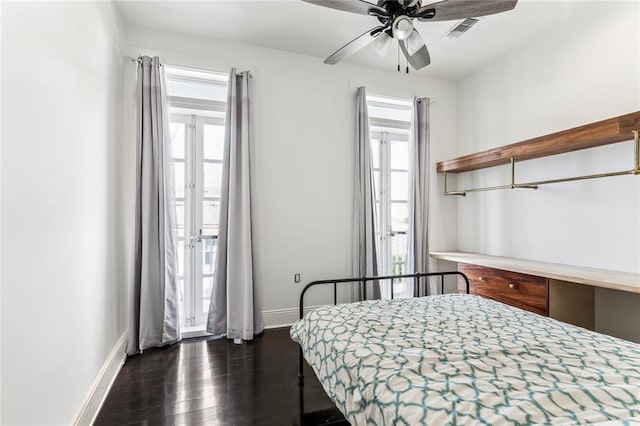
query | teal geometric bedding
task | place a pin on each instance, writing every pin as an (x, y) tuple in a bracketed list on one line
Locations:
[(463, 359)]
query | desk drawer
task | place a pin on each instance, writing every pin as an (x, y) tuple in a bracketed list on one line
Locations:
[(520, 290)]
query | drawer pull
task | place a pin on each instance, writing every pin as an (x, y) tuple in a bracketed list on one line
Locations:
[(480, 278), (512, 285)]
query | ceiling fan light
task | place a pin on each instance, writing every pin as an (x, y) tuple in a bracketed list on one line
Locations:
[(402, 28), (382, 44)]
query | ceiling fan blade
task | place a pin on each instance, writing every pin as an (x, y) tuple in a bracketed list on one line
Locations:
[(354, 45), (355, 6), (420, 57), (449, 10), (414, 42)]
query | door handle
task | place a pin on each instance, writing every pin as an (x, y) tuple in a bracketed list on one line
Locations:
[(199, 238), (394, 233)]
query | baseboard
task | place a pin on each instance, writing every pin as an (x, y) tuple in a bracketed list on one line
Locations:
[(103, 383), (275, 318)]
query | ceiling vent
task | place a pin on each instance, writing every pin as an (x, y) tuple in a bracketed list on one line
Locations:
[(461, 27)]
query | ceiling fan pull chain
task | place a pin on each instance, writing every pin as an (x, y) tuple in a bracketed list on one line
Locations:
[(398, 57)]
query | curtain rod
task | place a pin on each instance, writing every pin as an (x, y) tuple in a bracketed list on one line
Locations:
[(132, 59)]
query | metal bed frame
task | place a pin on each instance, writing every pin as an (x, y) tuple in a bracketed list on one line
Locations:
[(419, 284)]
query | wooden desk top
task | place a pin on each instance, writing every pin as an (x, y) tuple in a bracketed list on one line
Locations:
[(615, 280)]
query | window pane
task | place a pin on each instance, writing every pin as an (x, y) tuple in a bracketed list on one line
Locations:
[(376, 184), (375, 152), (213, 142), (196, 90), (178, 179), (180, 255), (399, 185), (399, 217), (180, 218), (207, 284), (398, 253), (181, 301), (210, 217), (212, 179), (389, 113), (209, 248), (399, 155), (177, 139)]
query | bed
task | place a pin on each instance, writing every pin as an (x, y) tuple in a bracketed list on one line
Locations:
[(464, 359)]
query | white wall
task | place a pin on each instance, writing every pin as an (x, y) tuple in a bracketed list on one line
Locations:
[(584, 71), (62, 309), (304, 154)]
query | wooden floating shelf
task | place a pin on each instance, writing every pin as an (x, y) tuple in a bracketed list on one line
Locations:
[(612, 130)]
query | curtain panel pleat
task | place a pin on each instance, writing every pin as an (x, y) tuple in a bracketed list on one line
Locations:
[(235, 308), (154, 312), (366, 252), (418, 233)]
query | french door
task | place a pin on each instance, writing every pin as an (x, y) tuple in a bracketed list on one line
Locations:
[(390, 129), (197, 149), (390, 167)]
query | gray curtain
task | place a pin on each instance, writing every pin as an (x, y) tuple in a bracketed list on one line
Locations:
[(366, 253), (235, 309), (418, 232), (154, 318)]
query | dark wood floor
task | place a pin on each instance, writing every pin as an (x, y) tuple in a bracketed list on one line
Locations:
[(215, 382)]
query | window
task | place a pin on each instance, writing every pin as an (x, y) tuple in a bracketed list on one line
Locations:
[(390, 123), (197, 104)]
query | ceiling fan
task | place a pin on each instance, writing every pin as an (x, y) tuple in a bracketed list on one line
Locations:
[(396, 18)]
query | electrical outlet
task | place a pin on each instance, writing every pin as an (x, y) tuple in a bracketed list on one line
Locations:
[(296, 278)]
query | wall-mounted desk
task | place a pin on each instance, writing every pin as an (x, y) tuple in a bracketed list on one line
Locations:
[(560, 291)]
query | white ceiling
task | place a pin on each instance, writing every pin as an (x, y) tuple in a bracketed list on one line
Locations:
[(300, 27)]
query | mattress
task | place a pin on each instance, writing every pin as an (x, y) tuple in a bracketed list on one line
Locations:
[(463, 359)]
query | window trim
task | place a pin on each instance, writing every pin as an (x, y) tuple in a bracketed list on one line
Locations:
[(195, 113), (196, 74), (199, 76)]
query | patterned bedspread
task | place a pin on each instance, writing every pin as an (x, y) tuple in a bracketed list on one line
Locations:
[(461, 359)]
